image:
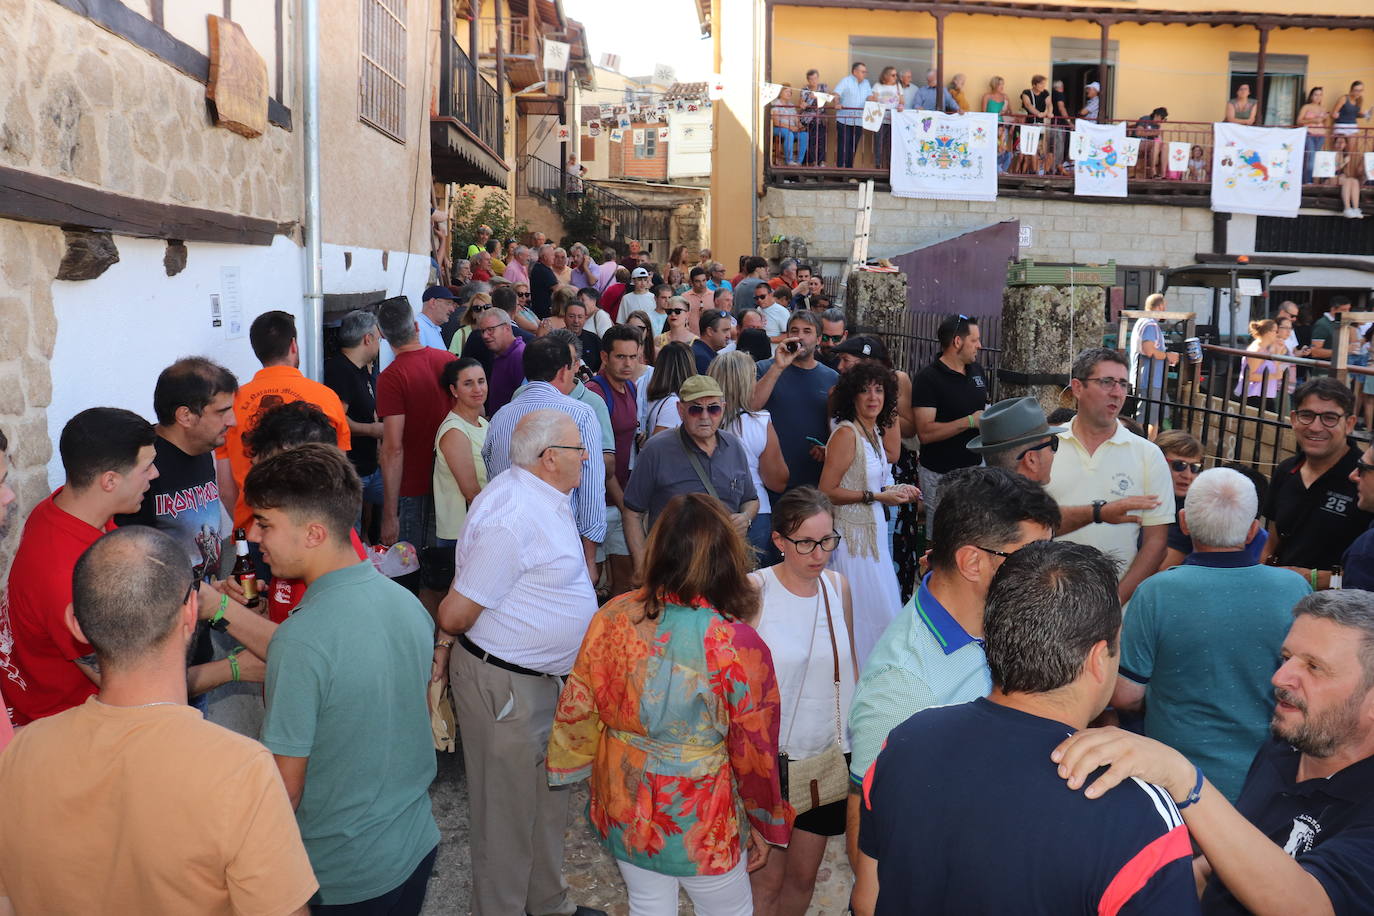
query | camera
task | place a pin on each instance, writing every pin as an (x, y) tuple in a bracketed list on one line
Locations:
[(792, 346)]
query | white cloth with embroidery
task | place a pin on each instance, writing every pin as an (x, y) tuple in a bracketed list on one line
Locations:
[(1257, 169), (1099, 167), (944, 156)]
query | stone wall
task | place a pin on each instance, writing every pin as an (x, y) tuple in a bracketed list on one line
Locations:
[(1043, 328), (29, 255), (82, 104)]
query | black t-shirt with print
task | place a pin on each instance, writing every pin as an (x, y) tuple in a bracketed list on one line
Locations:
[(353, 385), (954, 395), (1315, 524)]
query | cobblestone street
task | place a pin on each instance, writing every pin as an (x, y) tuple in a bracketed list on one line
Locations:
[(590, 871)]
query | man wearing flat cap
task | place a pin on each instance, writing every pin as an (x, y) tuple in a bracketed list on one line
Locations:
[(696, 457), (437, 305), (1015, 437)]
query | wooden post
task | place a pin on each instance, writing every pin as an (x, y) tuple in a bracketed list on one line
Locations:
[(500, 116), (446, 58), (474, 40), (1257, 90), (939, 61), (1102, 97)]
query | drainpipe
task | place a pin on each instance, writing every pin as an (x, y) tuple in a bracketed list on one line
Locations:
[(755, 130), (312, 334)]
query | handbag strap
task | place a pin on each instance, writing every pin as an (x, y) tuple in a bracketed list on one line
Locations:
[(834, 655), (696, 464)]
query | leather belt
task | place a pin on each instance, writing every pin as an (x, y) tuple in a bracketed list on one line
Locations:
[(490, 659)]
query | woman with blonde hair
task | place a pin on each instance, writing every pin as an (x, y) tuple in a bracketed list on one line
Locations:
[(676, 327), (671, 712), (995, 100), (1262, 377), (478, 304), (736, 374)]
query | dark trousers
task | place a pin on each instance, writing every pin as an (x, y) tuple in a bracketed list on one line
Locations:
[(882, 146), (815, 150), (849, 136), (403, 900)]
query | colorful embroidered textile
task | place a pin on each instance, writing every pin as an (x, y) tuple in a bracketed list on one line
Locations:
[(944, 157), (675, 721), (1097, 159), (1257, 169)]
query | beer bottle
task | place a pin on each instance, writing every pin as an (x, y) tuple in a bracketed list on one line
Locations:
[(244, 573)]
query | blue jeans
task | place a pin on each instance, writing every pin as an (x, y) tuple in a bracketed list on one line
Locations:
[(790, 137), (1311, 146)]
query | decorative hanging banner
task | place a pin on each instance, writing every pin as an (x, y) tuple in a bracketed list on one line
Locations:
[(1030, 139), (1324, 164), (556, 55), (663, 135), (768, 92), (716, 88), (1130, 151), (1368, 166), (1178, 156), (632, 109), (1257, 170), (564, 133), (617, 135), (624, 122), (593, 128), (664, 74), (944, 157), (638, 135), (607, 111), (661, 112), (1098, 170), (873, 115), (692, 105), (823, 98)]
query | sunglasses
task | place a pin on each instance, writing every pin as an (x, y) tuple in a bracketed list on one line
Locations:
[(1195, 467), (832, 338), (520, 295), (761, 298), (674, 311), (197, 575), (1052, 445), (696, 410), (1360, 468), (479, 308)]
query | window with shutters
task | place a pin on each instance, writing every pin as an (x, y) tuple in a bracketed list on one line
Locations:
[(382, 66), (588, 149)]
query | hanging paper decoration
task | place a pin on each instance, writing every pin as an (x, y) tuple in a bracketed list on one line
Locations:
[(822, 98), (1098, 170), (1324, 164), (944, 157), (607, 111), (556, 55), (1368, 166), (1130, 151), (661, 112), (1257, 169), (692, 105), (716, 88), (638, 135), (593, 128), (768, 92), (873, 115), (1030, 139), (624, 122), (617, 135), (1178, 156), (564, 133), (663, 135), (1077, 144)]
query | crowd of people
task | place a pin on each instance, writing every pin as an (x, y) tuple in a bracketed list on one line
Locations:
[(572, 518), (804, 118)]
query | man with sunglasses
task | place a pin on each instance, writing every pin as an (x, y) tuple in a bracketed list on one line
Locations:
[(1015, 437), (699, 457), (1313, 501), (1358, 561), (716, 280), (1104, 472), (834, 332), (755, 273)]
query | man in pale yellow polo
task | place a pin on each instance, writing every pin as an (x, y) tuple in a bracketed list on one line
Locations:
[(1113, 487)]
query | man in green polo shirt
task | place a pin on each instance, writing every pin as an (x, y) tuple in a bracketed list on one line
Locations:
[(932, 652), (347, 676), (1324, 331)]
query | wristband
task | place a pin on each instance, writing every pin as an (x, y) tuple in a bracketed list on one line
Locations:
[(1312, 576), (1194, 795), (218, 622), (443, 644), (234, 662), (970, 421)]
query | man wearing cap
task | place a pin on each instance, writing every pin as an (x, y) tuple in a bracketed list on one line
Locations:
[(851, 351), (1090, 107), (697, 457), (438, 305), (640, 298), (1014, 436)]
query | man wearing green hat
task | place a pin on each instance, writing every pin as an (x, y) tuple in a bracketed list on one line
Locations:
[(697, 457), (1013, 435)]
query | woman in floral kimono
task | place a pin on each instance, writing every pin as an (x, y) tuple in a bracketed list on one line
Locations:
[(672, 711)]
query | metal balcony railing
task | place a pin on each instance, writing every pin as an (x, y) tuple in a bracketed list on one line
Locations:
[(474, 103), (621, 220)]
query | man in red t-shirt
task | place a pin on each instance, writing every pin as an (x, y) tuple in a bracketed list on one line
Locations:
[(615, 291), (108, 456), (412, 404)]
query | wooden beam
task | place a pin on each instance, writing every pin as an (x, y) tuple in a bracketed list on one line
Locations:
[(1103, 51), (1258, 90), (939, 61), (34, 198)]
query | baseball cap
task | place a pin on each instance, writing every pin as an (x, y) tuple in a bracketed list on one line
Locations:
[(698, 386), (862, 346), (437, 292), (639, 272), (1097, 86)]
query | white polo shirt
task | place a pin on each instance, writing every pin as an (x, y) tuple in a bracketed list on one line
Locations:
[(1124, 465)]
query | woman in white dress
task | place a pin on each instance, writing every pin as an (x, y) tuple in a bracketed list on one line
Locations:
[(805, 617), (858, 480), (734, 372)]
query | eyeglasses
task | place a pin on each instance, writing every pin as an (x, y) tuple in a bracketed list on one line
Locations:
[(996, 553), (1107, 383), (520, 295), (571, 448), (1195, 467), (1307, 417), (1052, 444), (674, 311), (1360, 468), (761, 297), (832, 338), (805, 546), (696, 410), (197, 574)]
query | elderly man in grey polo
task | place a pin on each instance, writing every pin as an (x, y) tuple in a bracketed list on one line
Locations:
[(1014, 436), (518, 610), (697, 457)]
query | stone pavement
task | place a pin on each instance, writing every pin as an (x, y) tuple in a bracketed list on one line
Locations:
[(590, 871)]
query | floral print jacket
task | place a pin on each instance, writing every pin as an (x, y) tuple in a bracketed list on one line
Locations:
[(675, 721)]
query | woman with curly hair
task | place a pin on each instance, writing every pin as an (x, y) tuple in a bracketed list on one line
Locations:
[(672, 711), (858, 481)]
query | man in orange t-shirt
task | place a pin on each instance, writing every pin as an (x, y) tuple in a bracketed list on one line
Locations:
[(279, 381)]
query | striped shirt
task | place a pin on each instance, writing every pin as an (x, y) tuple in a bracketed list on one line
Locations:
[(589, 498), (924, 658), (519, 558)]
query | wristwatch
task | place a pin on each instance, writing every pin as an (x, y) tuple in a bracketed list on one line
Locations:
[(868, 497), (1097, 510)]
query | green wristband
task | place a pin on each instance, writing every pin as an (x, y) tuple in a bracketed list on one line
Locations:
[(234, 662), (1312, 575)]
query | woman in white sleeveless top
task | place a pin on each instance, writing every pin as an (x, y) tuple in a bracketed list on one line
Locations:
[(736, 375), (802, 605)]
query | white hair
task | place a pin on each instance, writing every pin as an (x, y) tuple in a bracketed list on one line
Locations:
[(534, 433), (1221, 505)]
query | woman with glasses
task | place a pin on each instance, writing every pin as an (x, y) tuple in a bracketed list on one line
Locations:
[(857, 478), (673, 366), (478, 304), (805, 618), (675, 328), (671, 712), (525, 318), (736, 374), (1183, 453)]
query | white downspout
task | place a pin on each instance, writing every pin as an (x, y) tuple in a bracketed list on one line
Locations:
[(312, 334)]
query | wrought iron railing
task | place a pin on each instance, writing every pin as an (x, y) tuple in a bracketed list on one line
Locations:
[(474, 103), (620, 219)]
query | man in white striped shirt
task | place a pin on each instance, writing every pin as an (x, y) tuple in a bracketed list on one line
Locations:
[(521, 603), (551, 371)]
